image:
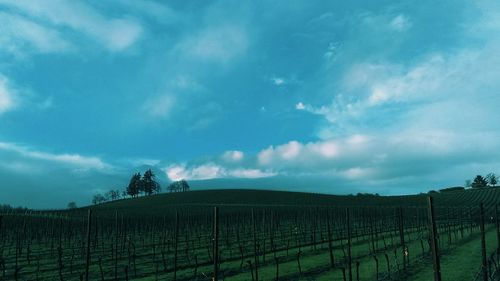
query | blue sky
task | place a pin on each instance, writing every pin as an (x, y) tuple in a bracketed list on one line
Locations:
[(325, 96)]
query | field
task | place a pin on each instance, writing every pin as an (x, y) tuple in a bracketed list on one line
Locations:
[(256, 235)]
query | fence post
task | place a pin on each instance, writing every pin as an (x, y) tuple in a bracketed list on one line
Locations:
[(216, 243), (433, 238), (176, 243), (89, 229), (402, 236), (116, 246), (256, 254), (483, 243), (349, 257), (330, 248), (497, 222)]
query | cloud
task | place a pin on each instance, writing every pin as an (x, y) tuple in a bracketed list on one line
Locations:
[(7, 95), (368, 160), (278, 81), (159, 106), (233, 156), (74, 160), (211, 170), (296, 154), (20, 35), (160, 12), (385, 94), (115, 34), (380, 157), (219, 44), (300, 106), (400, 23)]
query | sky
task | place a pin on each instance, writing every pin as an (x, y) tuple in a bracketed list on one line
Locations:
[(338, 97)]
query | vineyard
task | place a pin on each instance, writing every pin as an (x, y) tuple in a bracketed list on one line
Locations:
[(259, 235)]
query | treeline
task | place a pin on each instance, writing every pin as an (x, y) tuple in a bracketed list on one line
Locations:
[(138, 185), (6, 208), (490, 180)]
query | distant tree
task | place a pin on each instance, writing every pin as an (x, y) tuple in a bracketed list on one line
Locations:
[(98, 199), (72, 205), (9, 209), (172, 187), (112, 195), (135, 185), (468, 183), (179, 186), (479, 182), (124, 193), (492, 179), (149, 184), (183, 186)]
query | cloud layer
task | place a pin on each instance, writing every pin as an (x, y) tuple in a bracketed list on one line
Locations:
[(333, 97)]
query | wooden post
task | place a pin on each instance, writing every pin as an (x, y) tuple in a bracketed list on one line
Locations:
[(89, 229), (402, 236), (216, 244), (483, 243), (176, 243), (330, 248), (376, 266), (471, 220), (497, 222), (349, 257), (433, 240), (116, 245), (256, 255)]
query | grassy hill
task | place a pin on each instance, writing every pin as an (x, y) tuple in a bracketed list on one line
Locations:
[(267, 198)]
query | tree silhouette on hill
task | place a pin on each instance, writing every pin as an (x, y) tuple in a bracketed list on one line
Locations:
[(179, 186)]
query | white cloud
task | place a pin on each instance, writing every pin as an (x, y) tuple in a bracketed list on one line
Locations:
[(300, 106), (143, 161), (210, 170), (233, 156), (76, 160), (7, 96), (160, 12), (333, 51), (278, 81), (295, 153), (218, 44), (400, 23), (20, 35), (115, 34), (369, 89), (160, 106), (251, 173)]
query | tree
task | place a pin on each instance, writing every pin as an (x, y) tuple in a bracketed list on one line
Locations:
[(468, 183), (149, 184), (172, 187), (479, 182), (135, 185), (72, 205), (112, 195), (98, 199), (492, 179), (183, 185), (178, 186)]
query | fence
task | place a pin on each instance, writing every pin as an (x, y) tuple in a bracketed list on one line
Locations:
[(254, 243)]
